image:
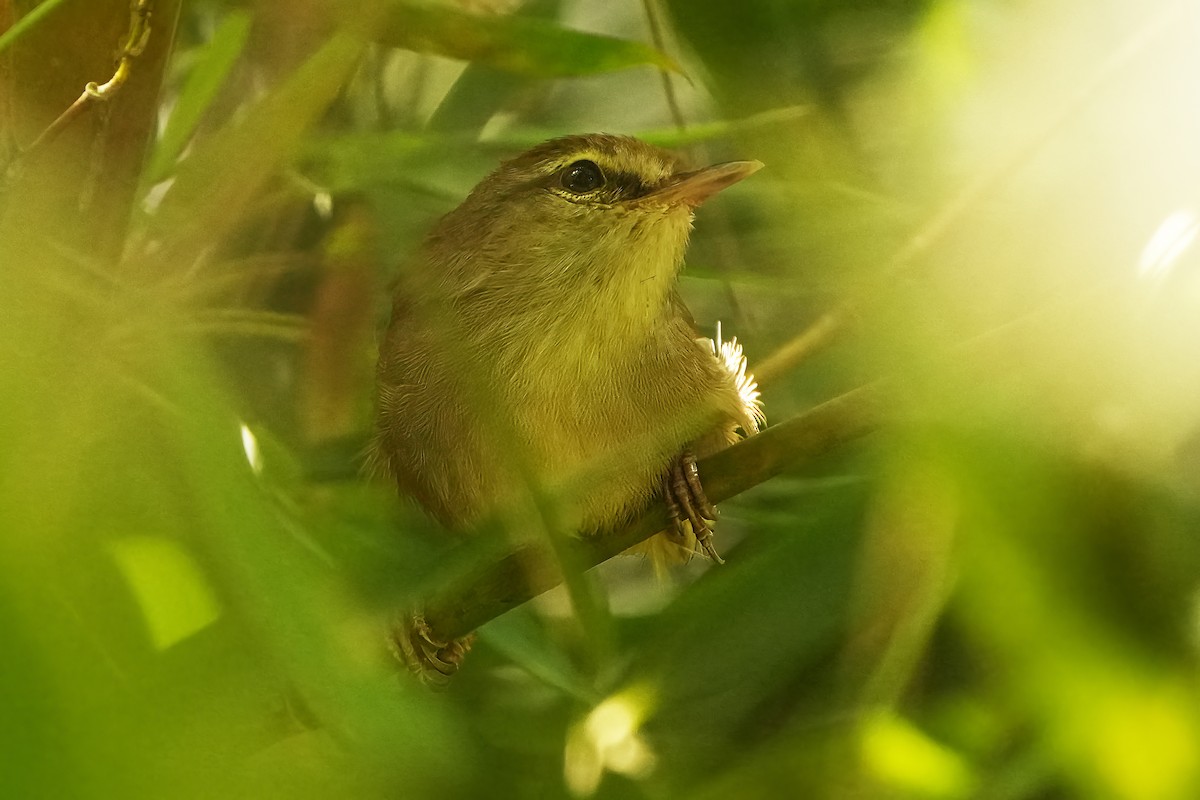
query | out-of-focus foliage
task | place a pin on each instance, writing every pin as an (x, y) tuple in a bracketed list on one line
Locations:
[(994, 596)]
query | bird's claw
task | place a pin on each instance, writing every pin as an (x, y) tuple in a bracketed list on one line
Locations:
[(432, 660), (688, 505)]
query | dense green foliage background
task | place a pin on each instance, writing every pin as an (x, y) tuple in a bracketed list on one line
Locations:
[(994, 595)]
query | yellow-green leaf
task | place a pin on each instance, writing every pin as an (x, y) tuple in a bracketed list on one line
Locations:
[(521, 45), (215, 184)]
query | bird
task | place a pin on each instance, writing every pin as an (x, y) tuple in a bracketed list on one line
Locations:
[(538, 346)]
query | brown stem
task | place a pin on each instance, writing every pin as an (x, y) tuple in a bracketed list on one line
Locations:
[(93, 93), (656, 36), (522, 574)]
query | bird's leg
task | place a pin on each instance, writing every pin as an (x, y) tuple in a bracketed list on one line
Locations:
[(687, 503), (433, 661)]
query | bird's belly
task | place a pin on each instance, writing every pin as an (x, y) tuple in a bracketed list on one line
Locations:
[(602, 461), (597, 432), (601, 477)]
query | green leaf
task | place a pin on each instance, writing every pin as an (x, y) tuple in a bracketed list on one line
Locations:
[(199, 91), (522, 138), (26, 22), (349, 162), (521, 45), (521, 638), (170, 588), (215, 185), (333, 648)]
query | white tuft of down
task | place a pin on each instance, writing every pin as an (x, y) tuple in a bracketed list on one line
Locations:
[(730, 354)]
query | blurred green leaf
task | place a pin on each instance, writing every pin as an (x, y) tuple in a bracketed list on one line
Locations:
[(204, 82), (292, 597), (418, 160), (520, 637), (35, 16), (216, 183), (38, 760), (725, 654), (518, 139), (173, 593), (356, 161), (904, 758), (521, 45)]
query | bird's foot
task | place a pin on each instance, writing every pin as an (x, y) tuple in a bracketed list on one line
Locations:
[(432, 660), (688, 505)]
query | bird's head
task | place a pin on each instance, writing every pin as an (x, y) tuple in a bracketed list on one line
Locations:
[(599, 214)]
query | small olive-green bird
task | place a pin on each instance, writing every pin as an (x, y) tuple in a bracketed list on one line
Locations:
[(539, 347)]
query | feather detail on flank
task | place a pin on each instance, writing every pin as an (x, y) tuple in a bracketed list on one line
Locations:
[(730, 354), (745, 418)]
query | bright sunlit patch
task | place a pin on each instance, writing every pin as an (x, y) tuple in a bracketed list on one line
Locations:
[(903, 758), (943, 49), (323, 204), (250, 446), (155, 195), (1169, 242), (173, 594), (1146, 741), (608, 740)]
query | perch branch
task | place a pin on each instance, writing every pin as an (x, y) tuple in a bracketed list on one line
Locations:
[(523, 573)]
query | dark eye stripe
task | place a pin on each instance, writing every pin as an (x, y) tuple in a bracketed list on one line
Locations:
[(627, 186)]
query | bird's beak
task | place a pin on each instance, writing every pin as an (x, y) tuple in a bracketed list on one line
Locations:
[(693, 188)]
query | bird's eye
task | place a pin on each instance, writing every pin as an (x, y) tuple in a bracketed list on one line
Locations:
[(582, 177)]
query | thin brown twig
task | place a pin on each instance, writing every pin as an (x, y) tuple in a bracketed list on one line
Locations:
[(93, 93), (728, 251), (656, 36)]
